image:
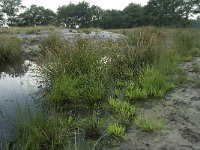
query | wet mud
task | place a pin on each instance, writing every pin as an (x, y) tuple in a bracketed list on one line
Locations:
[(181, 111)]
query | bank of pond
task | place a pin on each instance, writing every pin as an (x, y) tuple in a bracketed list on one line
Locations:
[(86, 94)]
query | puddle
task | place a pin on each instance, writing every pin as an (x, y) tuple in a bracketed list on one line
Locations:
[(19, 83)]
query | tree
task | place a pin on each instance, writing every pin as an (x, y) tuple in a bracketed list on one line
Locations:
[(195, 23), (67, 15), (163, 12), (97, 14), (112, 19), (1, 15), (73, 15), (133, 14), (11, 8), (170, 12), (84, 14), (37, 15)]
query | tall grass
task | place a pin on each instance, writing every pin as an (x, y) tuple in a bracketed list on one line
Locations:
[(74, 71), (37, 130), (10, 48), (146, 64)]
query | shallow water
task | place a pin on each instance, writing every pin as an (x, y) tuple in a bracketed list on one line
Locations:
[(19, 84)]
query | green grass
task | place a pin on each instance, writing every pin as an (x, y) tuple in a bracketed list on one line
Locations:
[(74, 71), (92, 126), (150, 124), (10, 48), (122, 109), (151, 83), (144, 65), (37, 130), (196, 68), (116, 130)]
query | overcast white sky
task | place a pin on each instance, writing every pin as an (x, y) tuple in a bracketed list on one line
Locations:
[(105, 4)]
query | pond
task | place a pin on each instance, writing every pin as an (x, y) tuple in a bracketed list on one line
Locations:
[(19, 84)]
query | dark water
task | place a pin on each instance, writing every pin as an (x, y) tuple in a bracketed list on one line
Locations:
[(19, 83)]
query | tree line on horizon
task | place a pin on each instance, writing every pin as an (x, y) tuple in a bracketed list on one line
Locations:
[(175, 13)]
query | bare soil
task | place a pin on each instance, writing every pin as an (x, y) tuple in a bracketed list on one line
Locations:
[(181, 111)]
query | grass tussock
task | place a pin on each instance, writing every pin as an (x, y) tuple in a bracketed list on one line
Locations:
[(10, 48), (74, 70), (37, 130)]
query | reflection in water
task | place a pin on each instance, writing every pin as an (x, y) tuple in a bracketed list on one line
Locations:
[(18, 85), (15, 68)]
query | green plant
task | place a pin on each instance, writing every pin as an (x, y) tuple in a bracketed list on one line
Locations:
[(44, 132), (116, 130), (134, 91), (10, 48), (151, 83), (89, 89), (149, 125), (154, 82), (73, 70), (196, 68), (92, 126), (123, 110), (185, 45)]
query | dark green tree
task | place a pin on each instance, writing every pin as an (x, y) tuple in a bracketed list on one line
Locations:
[(37, 15), (67, 15), (163, 12), (133, 15), (112, 19), (73, 15), (170, 12), (84, 14), (97, 14), (11, 8)]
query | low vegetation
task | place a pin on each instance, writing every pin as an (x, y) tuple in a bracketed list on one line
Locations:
[(10, 48), (26, 30), (116, 130), (99, 82), (149, 124)]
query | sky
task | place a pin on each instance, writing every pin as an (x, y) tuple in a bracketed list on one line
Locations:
[(105, 4)]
